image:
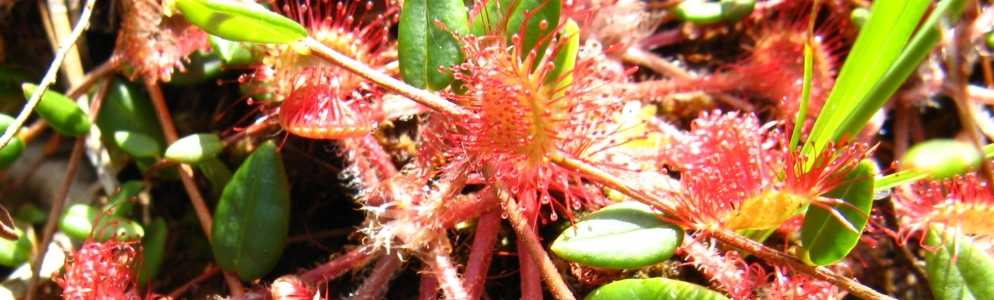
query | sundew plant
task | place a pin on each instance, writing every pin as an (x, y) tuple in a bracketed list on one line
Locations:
[(497, 149)]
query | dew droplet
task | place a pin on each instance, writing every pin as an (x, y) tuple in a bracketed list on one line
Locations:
[(543, 25)]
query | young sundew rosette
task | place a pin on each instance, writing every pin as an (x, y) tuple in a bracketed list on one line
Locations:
[(319, 100), (153, 45), (963, 204)]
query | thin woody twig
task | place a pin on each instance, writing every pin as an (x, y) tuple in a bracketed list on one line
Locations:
[(64, 47), (186, 176)]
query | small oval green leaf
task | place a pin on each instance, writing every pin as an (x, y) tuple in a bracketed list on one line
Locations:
[(542, 16), (653, 289), (60, 112), (620, 236), (127, 108), (253, 217), (16, 252), (425, 49), (958, 269), (200, 68), (153, 250), (10, 153), (824, 238), (80, 219), (136, 144), (941, 158), (194, 148), (241, 21)]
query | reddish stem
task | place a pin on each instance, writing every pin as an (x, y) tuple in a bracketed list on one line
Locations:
[(482, 252), (445, 272), (352, 260), (375, 286), (209, 272)]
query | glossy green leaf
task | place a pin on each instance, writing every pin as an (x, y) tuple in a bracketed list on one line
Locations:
[(859, 16), (911, 175), (653, 289), (123, 201), (241, 21), (60, 112), (16, 252), (136, 144), (508, 17), (709, 12), (253, 217), (620, 236), (824, 238), (233, 53), (941, 158), (31, 214), (153, 250), (958, 269), (127, 108), (80, 219), (425, 49), (10, 153), (194, 148)]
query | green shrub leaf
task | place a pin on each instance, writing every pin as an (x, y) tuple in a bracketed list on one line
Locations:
[(425, 48), (653, 289), (253, 217), (16, 252), (957, 269), (127, 108), (60, 112), (824, 238), (941, 158), (194, 148), (233, 53), (80, 219), (241, 21), (136, 144), (10, 153), (620, 236), (153, 250)]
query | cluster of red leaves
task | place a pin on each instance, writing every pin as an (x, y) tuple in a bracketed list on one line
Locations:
[(965, 203), (154, 45), (101, 270)]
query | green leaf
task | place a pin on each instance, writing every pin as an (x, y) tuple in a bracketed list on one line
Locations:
[(241, 21), (424, 48), (127, 108), (941, 158), (705, 12), (10, 153), (562, 74), (16, 252), (967, 274), (233, 53), (60, 112), (620, 236), (195, 148), (80, 219), (153, 250), (507, 17), (136, 144), (824, 238), (253, 217), (653, 289)]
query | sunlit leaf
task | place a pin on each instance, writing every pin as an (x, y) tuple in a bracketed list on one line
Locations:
[(80, 219), (16, 252), (194, 148), (653, 289), (824, 238), (941, 158), (10, 153), (957, 268), (136, 144), (620, 236), (60, 112), (241, 21)]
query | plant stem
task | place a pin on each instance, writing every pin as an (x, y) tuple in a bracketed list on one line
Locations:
[(780, 258), (446, 275), (420, 96), (481, 253), (84, 21), (209, 272), (375, 286), (351, 260), (429, 287), (530, 241), (186, 175), (59, 203)]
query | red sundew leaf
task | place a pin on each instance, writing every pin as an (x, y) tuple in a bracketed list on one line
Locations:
[(315, 112)]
